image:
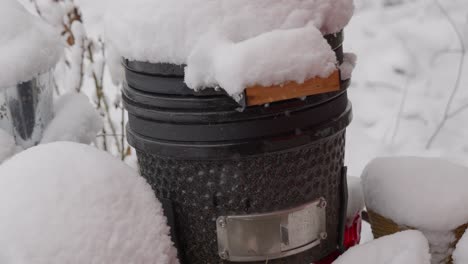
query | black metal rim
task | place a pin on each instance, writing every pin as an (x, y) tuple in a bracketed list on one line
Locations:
[(241, 148)]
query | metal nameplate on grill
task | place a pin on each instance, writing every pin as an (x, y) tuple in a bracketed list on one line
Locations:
[(262, 237)]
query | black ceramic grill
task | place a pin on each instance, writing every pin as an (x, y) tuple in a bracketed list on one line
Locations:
[(241, 184)]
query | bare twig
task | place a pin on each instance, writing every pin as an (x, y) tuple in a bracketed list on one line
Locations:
[(83, 51), (405, 89), (36, 6), (456, 87), (102, 100), (400, 110)]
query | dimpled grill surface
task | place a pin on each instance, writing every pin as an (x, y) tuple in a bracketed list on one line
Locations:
[(201, 191)]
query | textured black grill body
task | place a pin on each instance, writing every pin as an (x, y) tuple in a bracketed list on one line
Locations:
[(204, 158)]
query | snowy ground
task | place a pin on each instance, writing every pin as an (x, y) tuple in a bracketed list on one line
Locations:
[(408, 65)]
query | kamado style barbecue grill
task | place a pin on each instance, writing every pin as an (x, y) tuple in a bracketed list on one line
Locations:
[(262, 179)]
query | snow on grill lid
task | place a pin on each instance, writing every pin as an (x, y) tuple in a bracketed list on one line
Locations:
[(408, 247), (28, 46), (423, 193), (72, 203), (232, 44)]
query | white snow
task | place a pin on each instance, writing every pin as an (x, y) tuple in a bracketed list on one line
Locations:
[(408, 247), (232, 44), (75, 120), (7, 145), (71, 203), (28, 46), (355, 197), (460, 255), (347, 67), (408, 62), (424, 193)]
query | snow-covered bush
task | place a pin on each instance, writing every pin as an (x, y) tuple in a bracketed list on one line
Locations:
[(424, 193), (408, 247), (71, 203), (75, 120), (28, 46), (83, 68)]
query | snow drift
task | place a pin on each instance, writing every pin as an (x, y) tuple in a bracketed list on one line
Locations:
[(71, 203)]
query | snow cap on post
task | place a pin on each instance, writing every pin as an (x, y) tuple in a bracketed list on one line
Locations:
[(28, 46)]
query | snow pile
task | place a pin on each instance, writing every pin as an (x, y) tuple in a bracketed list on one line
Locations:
[(424, 193), (28, 46), (460, 255), (348, 65), (408, 63), (71, 203), (409, 247), (7, 145), (75, 120), (232, 44), (355, 197)]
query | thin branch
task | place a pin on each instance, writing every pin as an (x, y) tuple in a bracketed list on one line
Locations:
[(458, 111), (400, 110), (456, 87), (36, 6)]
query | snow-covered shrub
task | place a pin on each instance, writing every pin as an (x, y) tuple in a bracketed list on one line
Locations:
[(28, 46), (408, 247), (83, 68), (427, 194), (75, 120), (71, 203)]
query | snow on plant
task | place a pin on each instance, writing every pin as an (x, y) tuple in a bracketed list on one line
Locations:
[(75, 120), (72, 203), (428, 194), (28, 47), (82, 69)]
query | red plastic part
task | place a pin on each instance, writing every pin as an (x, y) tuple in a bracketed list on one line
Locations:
[(352, 237), (353, 232)]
